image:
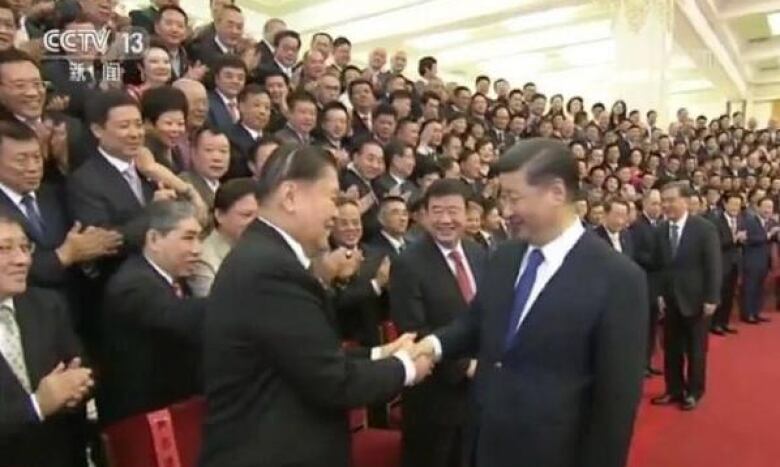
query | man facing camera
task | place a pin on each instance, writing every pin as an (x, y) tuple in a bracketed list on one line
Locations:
[(42, 382), (278, 381), (151, 327), (560, 348)]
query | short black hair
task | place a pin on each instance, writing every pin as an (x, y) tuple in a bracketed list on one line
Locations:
[(298, 97), (543, 160), (170, 7), (103, 102), (14, 55), (251, 89), (400, 94), (216, 131), (284, 34), (228, 61), (292, 162), (17, 131), (232, 6), (446, 187), (157, 101), (482, 78), (274, 73), (393, 149), (231, 191), (428, 96), (361, 143), (425, 64), (383, 109), (356, 83), (341, 40)]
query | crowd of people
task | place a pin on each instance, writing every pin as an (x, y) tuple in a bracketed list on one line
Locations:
[(121, 291)]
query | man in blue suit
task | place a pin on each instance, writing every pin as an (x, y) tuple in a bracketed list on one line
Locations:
[(229, 79), (559, 329), (757, 259)]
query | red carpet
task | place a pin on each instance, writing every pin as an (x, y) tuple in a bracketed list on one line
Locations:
[(737, 423)]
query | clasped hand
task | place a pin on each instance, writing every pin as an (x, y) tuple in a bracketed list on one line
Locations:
[(421, 353)]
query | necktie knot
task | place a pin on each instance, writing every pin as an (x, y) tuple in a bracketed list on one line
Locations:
[(535, 258)]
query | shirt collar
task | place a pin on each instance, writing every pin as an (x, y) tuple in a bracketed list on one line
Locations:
[(159, 270), (8, 302), (254, 134), (294, 245), (398, 180), (681, 222), (227, 100), (27, 121), (351, 167), (287, 70), (225, 49), (119, 164), (212, 184), (555, 251), (15, 197), (447, 251), (394, 242)]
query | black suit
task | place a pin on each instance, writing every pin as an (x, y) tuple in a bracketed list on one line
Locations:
[(99, 195), (384, 183), (424, 296), (278, 381), (643, 236), (150, 343), (381, 244), (690, 278), (47, 339), (626, 242), (144, 18), (731, 257), (369, 218), (219, 115), (205, 50), (359, 308), (565, 391), (241, 142)]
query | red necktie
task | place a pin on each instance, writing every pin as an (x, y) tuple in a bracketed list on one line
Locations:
[(464, 284)]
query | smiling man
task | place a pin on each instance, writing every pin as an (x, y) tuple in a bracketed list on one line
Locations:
[(151, 325)]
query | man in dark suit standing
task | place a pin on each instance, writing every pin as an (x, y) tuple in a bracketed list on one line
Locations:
[(41, 377), (731, 232), (366, 166), (229, 79), (558, 328), (643, 237), (432, 282), (228, 27), (277, 377), (613, 230), (688, 249), (394, 222), (287, 45), (254, 106), (301, 120), (399, 163), (151, 326), (761, 231)]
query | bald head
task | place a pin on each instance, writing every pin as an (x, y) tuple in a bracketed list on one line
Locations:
[(197, 101)]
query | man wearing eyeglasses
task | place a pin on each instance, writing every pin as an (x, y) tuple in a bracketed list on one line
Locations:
[(42, 381)]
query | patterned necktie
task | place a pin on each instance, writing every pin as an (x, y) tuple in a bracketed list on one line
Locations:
[(462, 277), (233, 111), (674, 237), (33, 217), (134, 181), (523, 293), (11, 346)]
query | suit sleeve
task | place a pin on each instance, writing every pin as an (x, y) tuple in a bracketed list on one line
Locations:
[(145, 305), (619, 360), (407, 310), (46, 268), (306, 351), (16, 412), (712, 265)]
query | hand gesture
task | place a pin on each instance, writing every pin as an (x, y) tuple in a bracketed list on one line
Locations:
[(58, 142), (424, 347), (741, 236), (382, 276), (405, 342), (63, 387), (471, 371), (58, 103), (163, 193), (82, 245), (366, 202), (709, 309), (352, 259), (423, 365), (352, 193)]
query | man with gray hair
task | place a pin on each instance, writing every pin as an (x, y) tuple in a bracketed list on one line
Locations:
[(150, 324)]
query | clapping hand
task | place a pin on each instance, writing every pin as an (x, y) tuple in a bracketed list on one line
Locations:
[(405, 342)]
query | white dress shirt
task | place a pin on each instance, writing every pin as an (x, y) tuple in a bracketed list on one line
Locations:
[(614, 237), (224, 48)]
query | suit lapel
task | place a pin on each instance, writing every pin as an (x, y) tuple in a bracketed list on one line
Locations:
[(506, 293), (122, 188), (438, 261), (471, 257)]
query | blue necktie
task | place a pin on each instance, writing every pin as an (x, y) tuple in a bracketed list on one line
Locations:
[(34, 218), (522, 292)]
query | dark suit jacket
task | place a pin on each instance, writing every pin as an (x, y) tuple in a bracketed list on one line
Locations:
[(200, 185), (370, 221), (57, 72), (99, 195), (278, 381), (266, 54), (219, 115), (205, 50), (359, 128), (643, 236), (501, 145), (731, 251), (626, 242), (288, 135), (241, 143), (424, 296), (150, 343), (48, 339), (384, 183), (757, 252), (382, 245), (359, 308), (144, 19), (565, 392), (693, 276)]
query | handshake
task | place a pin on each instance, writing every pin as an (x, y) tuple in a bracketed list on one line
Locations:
[(421, 353)]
